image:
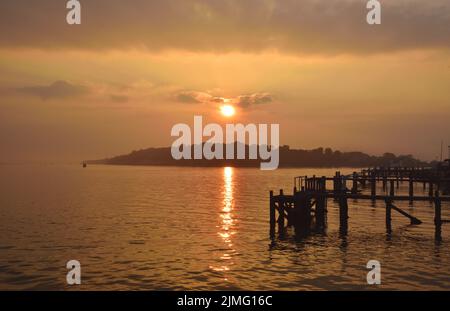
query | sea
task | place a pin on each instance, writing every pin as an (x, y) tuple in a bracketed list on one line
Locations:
[(178, 228)]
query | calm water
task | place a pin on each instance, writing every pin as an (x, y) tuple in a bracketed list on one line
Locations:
[(144, 228)]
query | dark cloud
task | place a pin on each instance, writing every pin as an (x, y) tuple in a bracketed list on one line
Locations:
[(58, 89), (306, 26), (243, 101), (246, 101), (194, 97), (187, 97)]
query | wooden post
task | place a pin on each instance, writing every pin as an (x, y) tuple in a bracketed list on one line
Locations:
[(411, 189), (335, 185), (373, 187), (392, 189), (321, 205), (302, 208), (355, 183), (343, 210), (308, 213), (384, 182), (272, 215), (437, 217), (343, 214), (325, 199), (430, 190), (281, 212), (388, 216)]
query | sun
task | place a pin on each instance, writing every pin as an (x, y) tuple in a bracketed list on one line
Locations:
[(227, 110)]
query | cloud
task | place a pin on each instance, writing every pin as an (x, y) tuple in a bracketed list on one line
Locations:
[(188, 97), (306, 26), (58, 89), (194, 97), (243, 101)]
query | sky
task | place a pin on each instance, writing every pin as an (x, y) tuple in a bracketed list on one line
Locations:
[(133, 69)]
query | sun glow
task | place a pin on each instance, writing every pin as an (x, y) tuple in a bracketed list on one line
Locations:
[(227, 110)]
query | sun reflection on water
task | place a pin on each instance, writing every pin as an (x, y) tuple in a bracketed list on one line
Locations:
[(226, 227)]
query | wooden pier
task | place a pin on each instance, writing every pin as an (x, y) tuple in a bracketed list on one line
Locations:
[(306, 208)]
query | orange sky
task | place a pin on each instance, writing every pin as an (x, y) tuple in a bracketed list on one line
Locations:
[(133, 69)]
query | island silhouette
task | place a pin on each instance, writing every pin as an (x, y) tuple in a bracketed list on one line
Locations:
[(319, 157)]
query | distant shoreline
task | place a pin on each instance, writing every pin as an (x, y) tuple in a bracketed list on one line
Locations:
[(244, 167), (289, 158)]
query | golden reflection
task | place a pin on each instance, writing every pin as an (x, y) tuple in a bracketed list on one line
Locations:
[(227, 223)]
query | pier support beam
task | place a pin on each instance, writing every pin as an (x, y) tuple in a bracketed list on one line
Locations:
[(414, 220), (321, 205), (355, 183), (320, 212), (272, 215), (343, 214), (392, 189), (281, 213), (437, 217), (302, 208), (373, 185), (337, 182), (411, 190), (388, 216)]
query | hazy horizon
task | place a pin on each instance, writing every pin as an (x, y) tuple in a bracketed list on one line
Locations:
[(78, 161)]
